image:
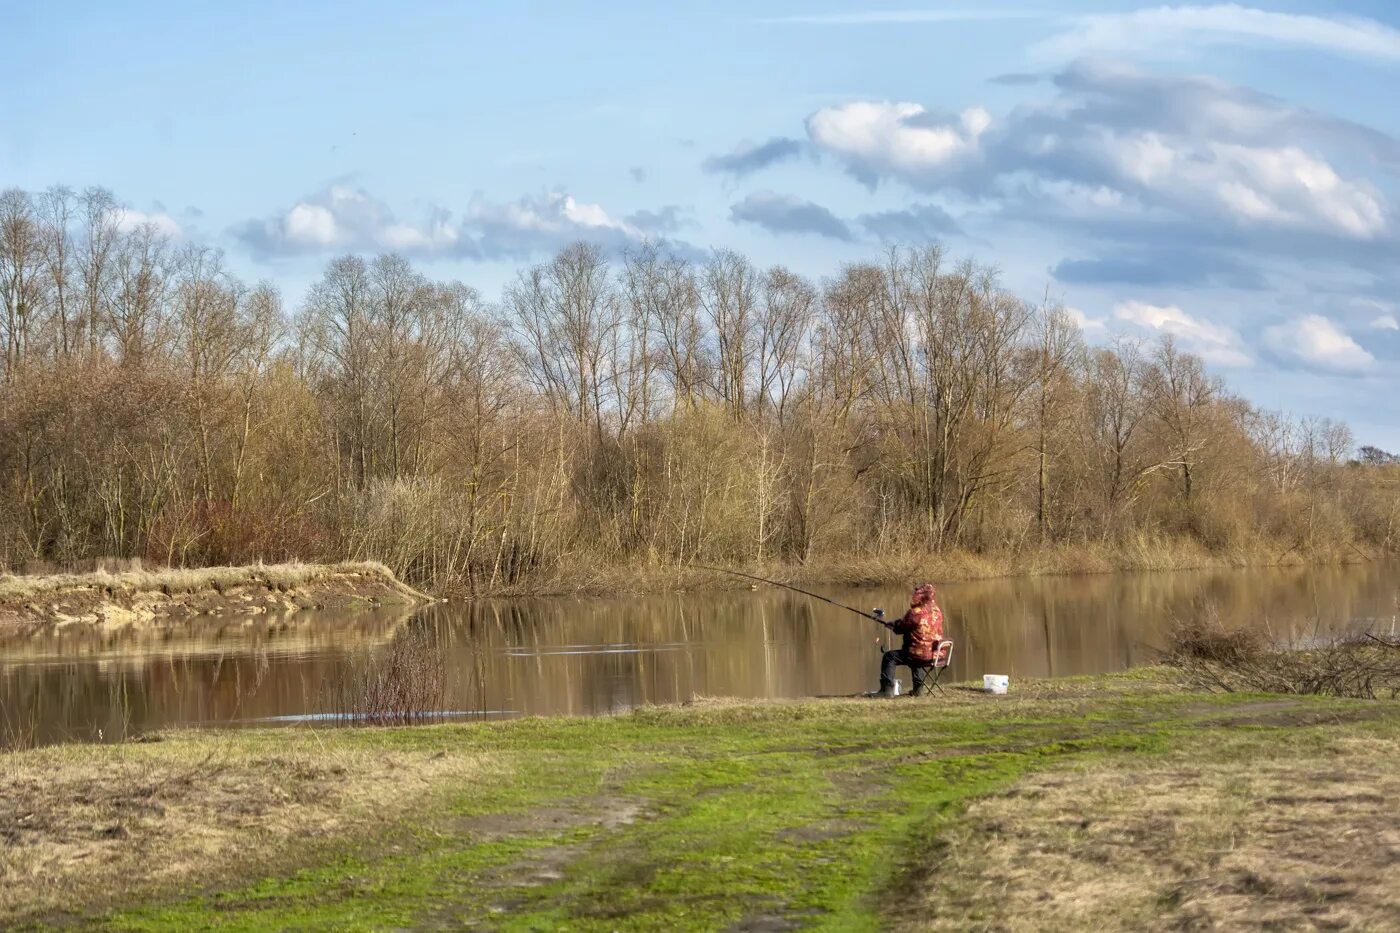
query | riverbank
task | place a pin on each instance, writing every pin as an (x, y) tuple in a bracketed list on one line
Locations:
[(1116, 802), (141, 597), (1140, 554)]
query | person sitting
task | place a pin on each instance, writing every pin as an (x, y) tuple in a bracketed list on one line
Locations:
[(922, 628)]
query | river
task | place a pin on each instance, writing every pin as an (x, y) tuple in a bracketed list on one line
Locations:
[(565, 656)]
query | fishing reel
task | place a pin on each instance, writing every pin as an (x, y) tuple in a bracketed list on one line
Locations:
[(878, 613)]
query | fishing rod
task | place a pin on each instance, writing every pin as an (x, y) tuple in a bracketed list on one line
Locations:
[(877, 617)]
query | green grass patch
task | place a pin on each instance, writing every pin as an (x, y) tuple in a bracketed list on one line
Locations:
[(813, 814)]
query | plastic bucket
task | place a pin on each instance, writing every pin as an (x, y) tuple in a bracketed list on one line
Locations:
[(995, 683)]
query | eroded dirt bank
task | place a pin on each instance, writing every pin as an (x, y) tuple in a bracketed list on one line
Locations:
[(150, 597)]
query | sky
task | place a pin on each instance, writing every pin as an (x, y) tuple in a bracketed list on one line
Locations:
[(1225, 173)]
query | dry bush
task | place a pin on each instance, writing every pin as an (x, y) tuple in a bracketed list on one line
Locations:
[(404, 685), (1242, 660), (19, 728)]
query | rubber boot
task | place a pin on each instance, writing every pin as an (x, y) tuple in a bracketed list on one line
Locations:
[(888, 690)]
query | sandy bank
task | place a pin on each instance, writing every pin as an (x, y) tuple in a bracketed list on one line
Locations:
[(150, 597)]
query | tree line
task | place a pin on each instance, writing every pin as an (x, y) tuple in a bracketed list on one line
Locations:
[(646, 409)]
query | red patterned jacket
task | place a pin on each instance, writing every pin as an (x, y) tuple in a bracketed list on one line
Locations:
[(921, 626)]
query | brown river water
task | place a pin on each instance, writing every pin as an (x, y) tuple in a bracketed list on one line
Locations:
[(505, 658)]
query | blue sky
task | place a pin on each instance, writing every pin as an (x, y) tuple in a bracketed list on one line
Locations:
[(1227, 173)]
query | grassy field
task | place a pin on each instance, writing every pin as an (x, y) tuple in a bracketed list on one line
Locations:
[(1123, 802)]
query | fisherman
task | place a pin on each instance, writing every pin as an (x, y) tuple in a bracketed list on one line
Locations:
[(922, 628)]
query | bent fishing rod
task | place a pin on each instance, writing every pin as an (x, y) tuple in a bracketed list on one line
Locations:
[(878, 617)]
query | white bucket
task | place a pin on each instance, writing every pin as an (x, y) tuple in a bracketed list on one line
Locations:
[(995, 683)]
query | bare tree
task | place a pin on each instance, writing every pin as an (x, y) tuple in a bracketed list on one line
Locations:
[(568, 317), (58, 212), (98, 243), (21, 282), (729, 295), (788, 306), (1181, 397)]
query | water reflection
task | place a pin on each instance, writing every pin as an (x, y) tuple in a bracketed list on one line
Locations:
[(590, 656)]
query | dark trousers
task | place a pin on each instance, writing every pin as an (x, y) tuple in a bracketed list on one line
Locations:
[(892, 660)]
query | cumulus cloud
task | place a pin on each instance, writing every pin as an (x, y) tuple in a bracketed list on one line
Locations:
[(1170, 29), (1277, 186), (1213, 343), (749, 159), (922, 222), (1089, 325), (782, 213), (875, 138), (1200, 149), (128, 219), (1316, 341), (1117, 145), (537, 224), (1128, 99), (341, 218)]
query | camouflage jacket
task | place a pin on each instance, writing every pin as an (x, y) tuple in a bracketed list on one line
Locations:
[(922, 628)]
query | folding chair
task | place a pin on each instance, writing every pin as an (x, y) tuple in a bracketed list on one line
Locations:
[(942, 657)]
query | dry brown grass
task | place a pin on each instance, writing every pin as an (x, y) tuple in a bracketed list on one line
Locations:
[(177, 580), (80, 824), (1256, 834)]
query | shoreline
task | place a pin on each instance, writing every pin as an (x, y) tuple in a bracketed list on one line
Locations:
[(1139, 556), (148, 598), (103, 599), (1153, 805)]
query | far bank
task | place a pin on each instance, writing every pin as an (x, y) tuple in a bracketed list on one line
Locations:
[(580, 576), (140, 597)]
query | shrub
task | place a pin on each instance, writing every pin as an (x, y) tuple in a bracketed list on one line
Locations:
[(1229, 661)]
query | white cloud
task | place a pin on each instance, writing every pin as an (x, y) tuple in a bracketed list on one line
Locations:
[(1086, 323), (336, 217), (1213, 343), (1168, 29), (1384, 313), (901, 138), (554, 213), (128, 220), (1119, 145), (311, 224), (1316, 341), (341, 217), (1253, 185)]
